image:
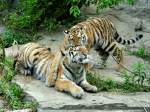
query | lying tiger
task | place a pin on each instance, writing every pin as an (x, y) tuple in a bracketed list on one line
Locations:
[(98, 33), (66, 71)]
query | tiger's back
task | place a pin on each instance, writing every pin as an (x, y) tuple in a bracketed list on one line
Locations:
[(34, 58)]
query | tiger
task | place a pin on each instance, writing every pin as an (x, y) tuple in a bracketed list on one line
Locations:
[(66, 71), (101, 34)]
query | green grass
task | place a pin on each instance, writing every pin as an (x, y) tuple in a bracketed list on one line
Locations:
[(112, 86), (9, 36), (11, 92), (141, 53)]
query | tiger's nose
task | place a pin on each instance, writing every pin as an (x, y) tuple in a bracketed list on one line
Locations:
[(85, 56), (81, 59)]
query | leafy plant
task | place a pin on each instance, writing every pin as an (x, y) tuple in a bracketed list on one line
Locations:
[(21, 37), (75, 11), (32, 14), (103, 85), (128, 85), (50, 24), (101, 4), (140, 73), (2, 55), (3, 5), (11, 91), (141, 52)]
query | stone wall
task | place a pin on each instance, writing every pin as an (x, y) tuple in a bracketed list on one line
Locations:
[(138, 3), (142, 3)]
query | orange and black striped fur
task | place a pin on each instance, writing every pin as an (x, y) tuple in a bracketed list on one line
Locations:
[(66, 71), (100, 34)]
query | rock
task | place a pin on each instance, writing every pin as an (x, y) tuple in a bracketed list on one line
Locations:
[(49, 99), (139, 26), (1, 104), (21, 110)]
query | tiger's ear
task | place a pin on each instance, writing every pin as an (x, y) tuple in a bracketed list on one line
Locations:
[(66, 32)]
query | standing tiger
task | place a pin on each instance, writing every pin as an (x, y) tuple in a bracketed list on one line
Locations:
[(100, 34), (66, 71)]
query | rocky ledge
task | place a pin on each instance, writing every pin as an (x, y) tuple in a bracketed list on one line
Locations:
[(51, 100)]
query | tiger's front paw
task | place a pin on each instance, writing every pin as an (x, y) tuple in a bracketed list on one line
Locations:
[(77, 92), (91, 88)]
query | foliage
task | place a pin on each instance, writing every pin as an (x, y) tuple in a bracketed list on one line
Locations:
[(133, 82), (130, 86), (101, 4), (21, 37), (11, 91), (2, 52), (140, 73), (3, 5), (141, 53), (50, 24), (31, 14), (102, 84)]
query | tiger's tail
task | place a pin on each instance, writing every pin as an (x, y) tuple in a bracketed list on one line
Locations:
[(127, 42)]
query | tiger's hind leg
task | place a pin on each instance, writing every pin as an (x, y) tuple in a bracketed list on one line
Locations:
[(19, 67), (118, 57), (104, 56)]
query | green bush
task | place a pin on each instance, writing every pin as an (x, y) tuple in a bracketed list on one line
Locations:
[(141, 52), (133, 82), (3, 5), (31, 14), (12, 93), (9, 36), (101, 4), (100, 83)]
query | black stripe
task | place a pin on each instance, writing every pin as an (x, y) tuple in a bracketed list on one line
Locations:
[(133, 41), (69, 70), (140, 36), (107, 46), (49, 49), (128, 41), (98, 26), (137, 38), (32, 69), (112, 47), (62, 53), (116, 36), (36, 53), (120, 40), (35, 59), (124, 42)]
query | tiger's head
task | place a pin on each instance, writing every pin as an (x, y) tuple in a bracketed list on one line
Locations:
[(78, 55), (76, 36)]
